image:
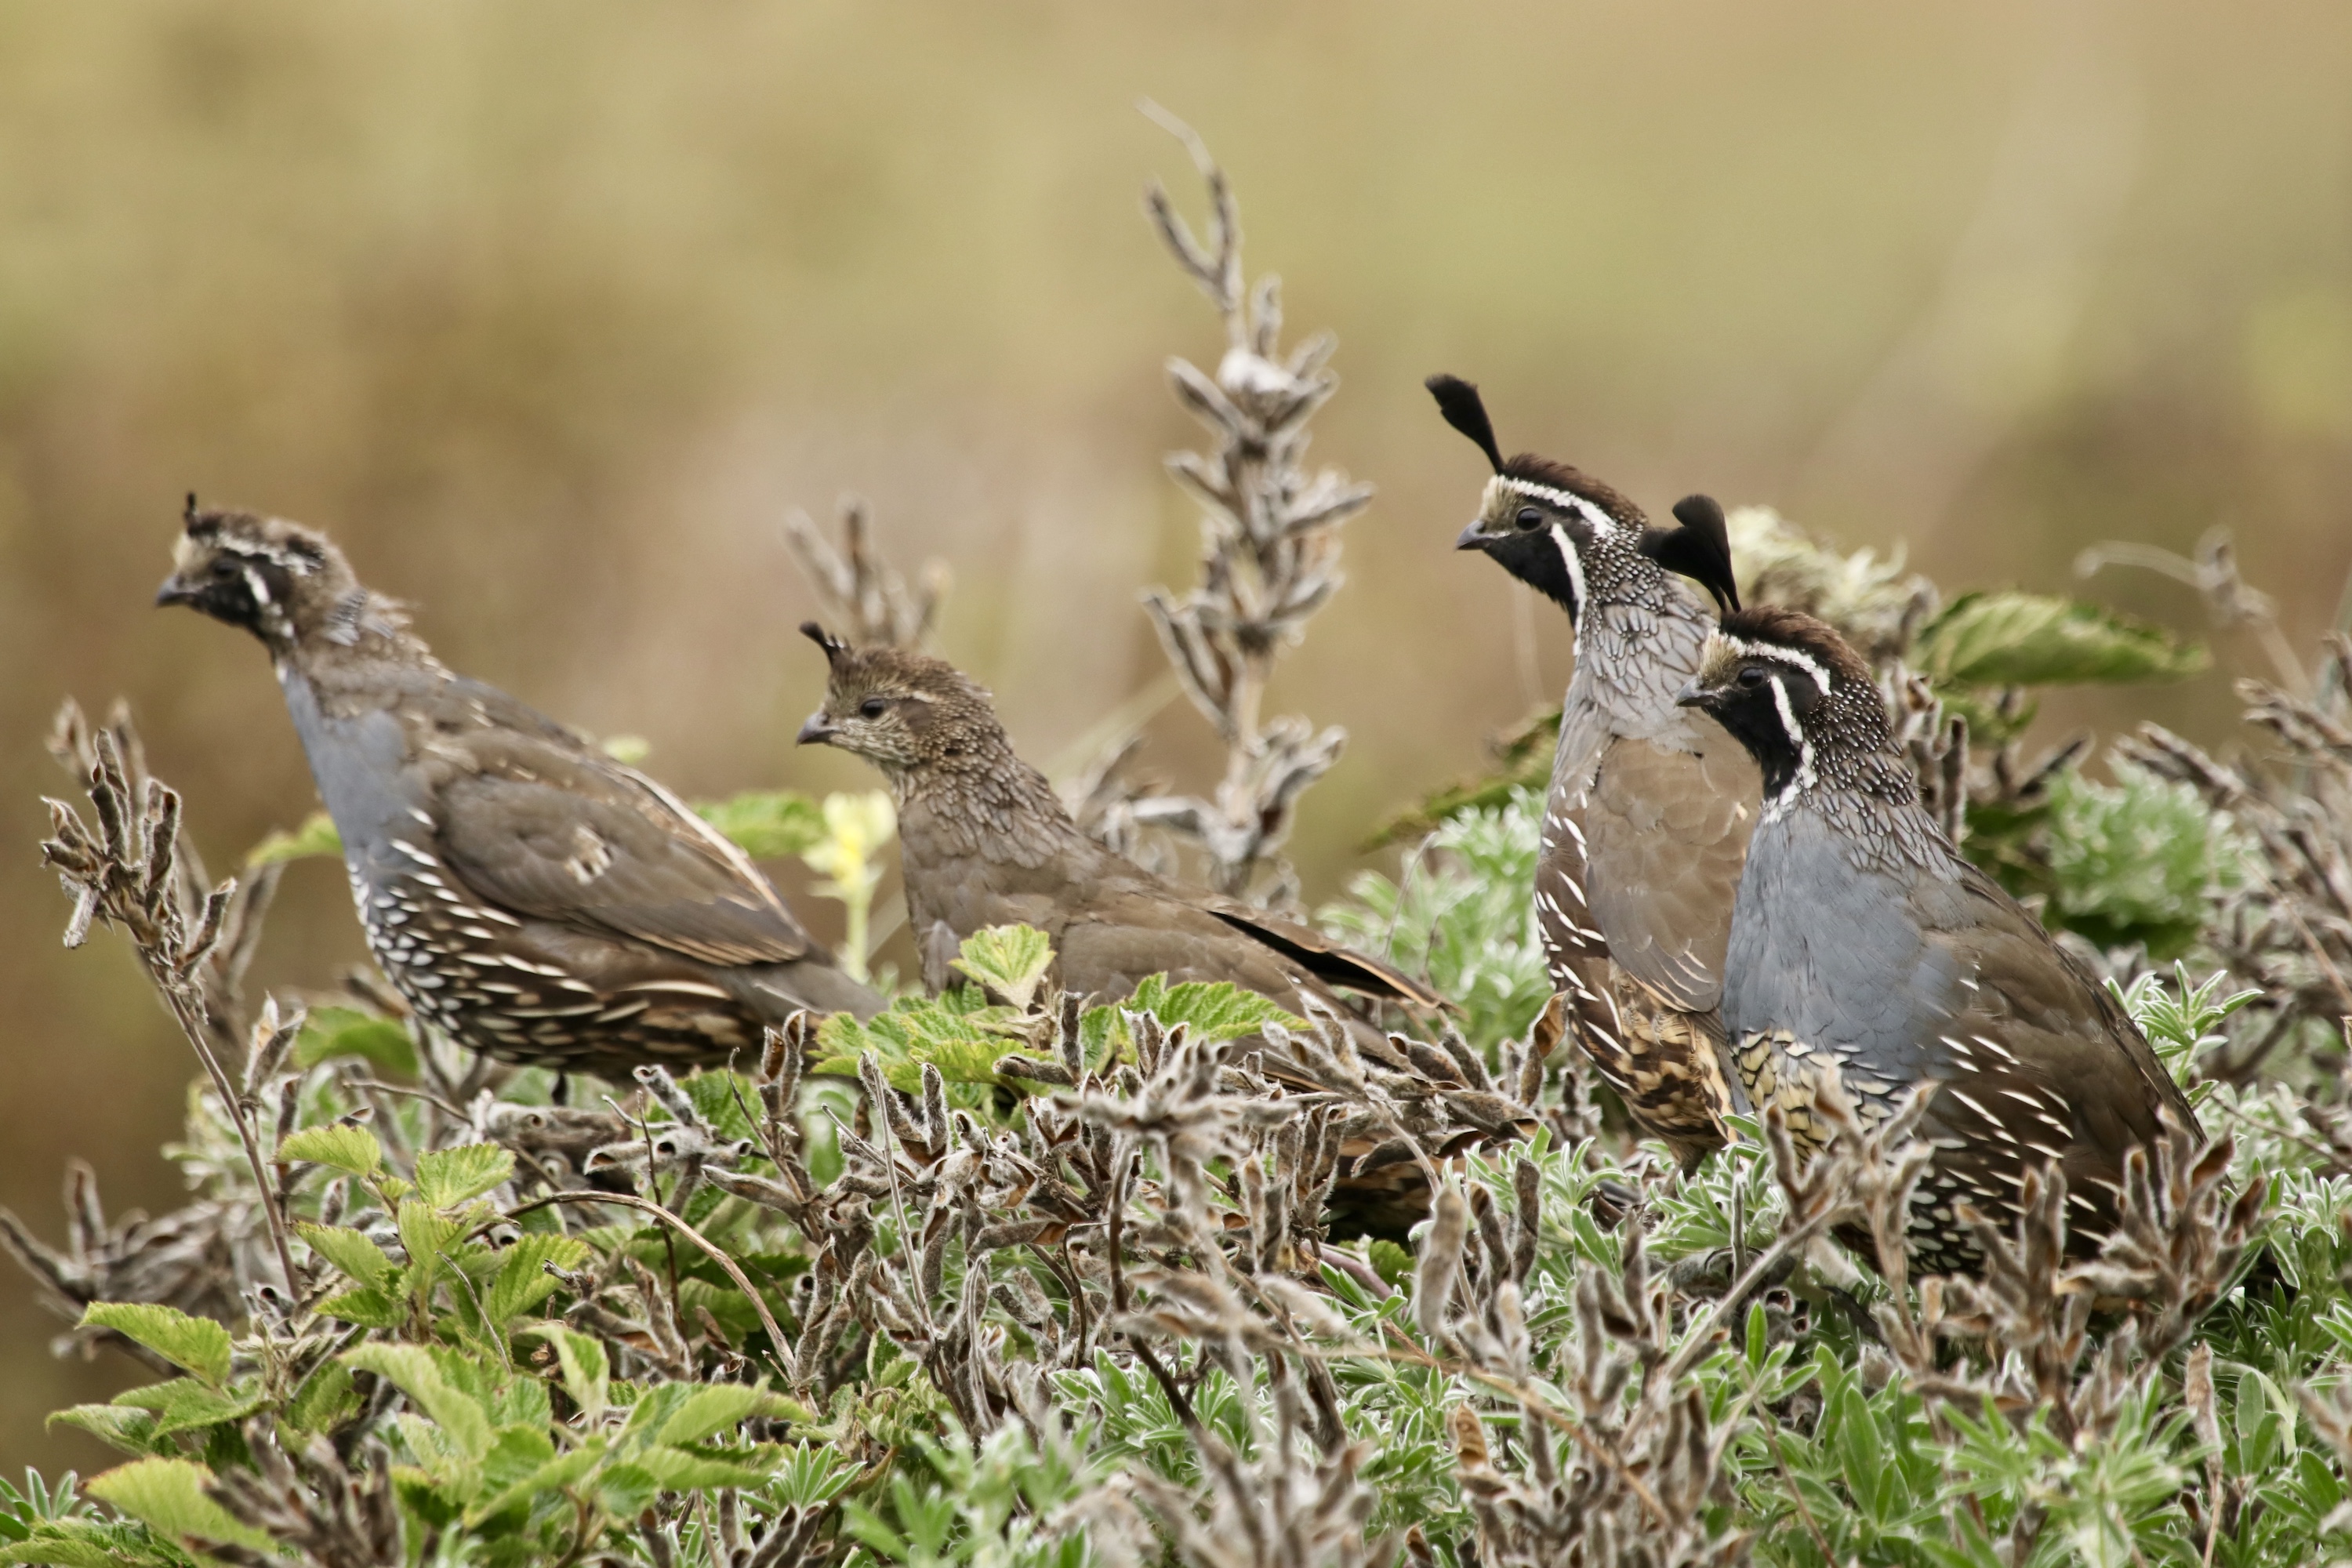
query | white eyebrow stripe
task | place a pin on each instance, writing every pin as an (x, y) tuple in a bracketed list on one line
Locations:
[(1797, 656), (1588, 510)]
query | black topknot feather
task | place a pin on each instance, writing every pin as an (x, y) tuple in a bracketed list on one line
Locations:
[(1458, 400), (1700, 549)]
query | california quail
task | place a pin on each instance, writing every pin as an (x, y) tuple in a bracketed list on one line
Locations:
[(1650, 806), (529, 896), (1865, 946), (984, 841)]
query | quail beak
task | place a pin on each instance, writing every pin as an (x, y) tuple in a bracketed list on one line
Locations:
[(174, 590), (817, 732), (1695, 695), (1474, 537)]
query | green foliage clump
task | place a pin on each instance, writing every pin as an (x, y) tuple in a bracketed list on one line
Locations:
[(1459, 915), (2142, 859)]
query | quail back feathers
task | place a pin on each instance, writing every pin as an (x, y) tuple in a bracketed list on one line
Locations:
[(984, 841), (1646, 823), (1866, 948), (529, 896)]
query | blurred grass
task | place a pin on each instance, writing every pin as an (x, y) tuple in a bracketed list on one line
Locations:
[(549, 311)]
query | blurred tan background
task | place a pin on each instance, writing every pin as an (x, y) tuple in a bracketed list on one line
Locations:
[(549, 311)]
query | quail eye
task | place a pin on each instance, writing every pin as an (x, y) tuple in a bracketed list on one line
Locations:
[(874, 707), (1530, 516), (1752, 675)]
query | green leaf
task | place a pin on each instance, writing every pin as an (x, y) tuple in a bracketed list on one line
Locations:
[(459, 1415), (1393, 1263), (587, 1377), (316, 836), (92, 1543), (2029, 639), (676, 1470), (448, 1178), (324, 1401), (168, 1497), (336, 1032), (1215, 1010), (368, 1307), (625, 1491), (426, 1234), (343, 1147), (350, 1251), (198, 1344), (185, 1404), (767, 825), (523, 1281), (712, 1409), (119, 1425), (562, 1471), (1010, 961), (952, 1032)]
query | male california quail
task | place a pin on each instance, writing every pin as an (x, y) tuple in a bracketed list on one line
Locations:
[(529, 896), (1865, 946), (1650, 806), (984, 841)]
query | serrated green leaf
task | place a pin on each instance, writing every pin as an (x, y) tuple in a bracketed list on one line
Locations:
[(324, 1401), (367, 1306), (1215, 1010), (767, 825), (91, 1544), (352, 1149), (119, 1425), (185, 1404), (1010, 961), (198, 1344), (2030, 640), (168, 1497), (564, 1470), (587, 1377), (625, 1491), (331, 1033), (523, 1281), (952, 1032), (448, 1178), (676, 1470), (316, 836), (350, 1251), (459, 1415), (713, 1409), (425, 1234)]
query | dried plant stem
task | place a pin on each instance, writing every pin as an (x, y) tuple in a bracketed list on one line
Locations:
[(187, 1010)]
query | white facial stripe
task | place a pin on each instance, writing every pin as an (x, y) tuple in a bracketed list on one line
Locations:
[(1602, 523), (1569, 558), (1804, 775), (259, 589), (1797, 656)]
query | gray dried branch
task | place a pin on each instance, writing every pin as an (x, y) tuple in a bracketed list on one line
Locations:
[(862, 594), (128, 871), (1270, 538)]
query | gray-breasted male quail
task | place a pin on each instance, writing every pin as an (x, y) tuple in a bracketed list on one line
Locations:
[(984, 841), (1865, 946), (1651, 806), (529, 895)]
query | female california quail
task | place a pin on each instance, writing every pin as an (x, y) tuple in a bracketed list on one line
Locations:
[(1650, 806), (984, 841), (1864, 946), (529, 896)]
